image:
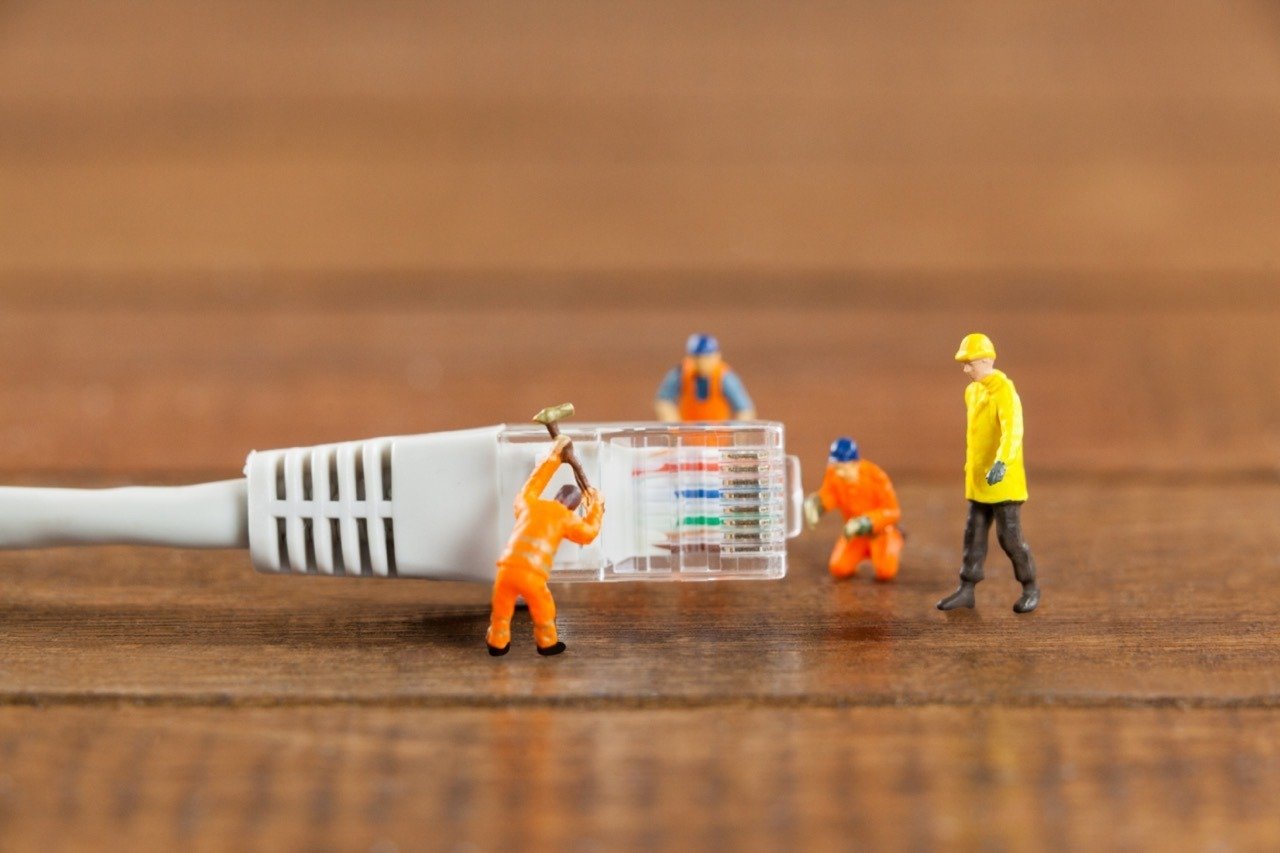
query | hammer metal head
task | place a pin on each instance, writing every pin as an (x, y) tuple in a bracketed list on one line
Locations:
[(551, 414)]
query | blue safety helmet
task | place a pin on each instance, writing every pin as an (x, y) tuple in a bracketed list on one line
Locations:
[(844, 449), (702, 345)]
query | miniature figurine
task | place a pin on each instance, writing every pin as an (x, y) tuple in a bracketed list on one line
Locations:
[(525, 565), (703, 387), (865, 497), (994, 476)]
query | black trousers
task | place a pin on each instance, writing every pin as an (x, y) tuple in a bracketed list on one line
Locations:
[(1008, 519)]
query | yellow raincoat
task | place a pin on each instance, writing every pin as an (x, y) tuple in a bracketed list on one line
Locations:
[(994, 433)]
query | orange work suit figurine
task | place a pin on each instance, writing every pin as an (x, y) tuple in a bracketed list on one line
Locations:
[(525, 565), (865, 497), (702, 387)]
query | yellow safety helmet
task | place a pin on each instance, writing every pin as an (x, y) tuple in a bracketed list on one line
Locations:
[(974, 347)]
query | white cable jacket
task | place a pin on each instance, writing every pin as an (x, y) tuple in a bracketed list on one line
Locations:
[(210, 515)]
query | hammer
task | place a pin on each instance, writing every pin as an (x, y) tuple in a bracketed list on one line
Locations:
[(550, 417)]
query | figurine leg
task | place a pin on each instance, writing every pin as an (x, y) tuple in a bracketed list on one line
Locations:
[(1009, 534), (976, 532), (886, 549), (846, 556), (503, 606), (542, 607)]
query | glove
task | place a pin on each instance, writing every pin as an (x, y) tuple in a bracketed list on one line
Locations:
[(996, 474), (562, 441), (860, 526), (812, 510)]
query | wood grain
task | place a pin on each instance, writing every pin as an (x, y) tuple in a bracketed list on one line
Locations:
[(565, 779), (660, 136), (1151, 518), (1126, 576), (1118, 378), (228, 226)]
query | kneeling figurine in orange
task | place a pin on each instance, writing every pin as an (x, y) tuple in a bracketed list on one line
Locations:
[(865, 497), (525, 565)]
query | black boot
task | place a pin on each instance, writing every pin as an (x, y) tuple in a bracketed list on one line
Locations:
[(499, 652), (551, 650), (962, 597), (1029, 601)]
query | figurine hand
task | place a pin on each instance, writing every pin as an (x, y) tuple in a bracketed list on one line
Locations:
[(562, 441), (860, 526), (996, 474), (592, 495), (812, 510)]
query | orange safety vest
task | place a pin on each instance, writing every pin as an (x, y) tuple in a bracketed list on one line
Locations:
[(716, 407)]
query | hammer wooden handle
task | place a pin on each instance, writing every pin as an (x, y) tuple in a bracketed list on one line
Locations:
[(570, 457)]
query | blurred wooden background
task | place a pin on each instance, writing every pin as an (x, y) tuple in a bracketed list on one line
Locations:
[(228, 226), (662, 136)]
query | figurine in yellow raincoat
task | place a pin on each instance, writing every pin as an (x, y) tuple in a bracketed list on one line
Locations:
[(995, 480)]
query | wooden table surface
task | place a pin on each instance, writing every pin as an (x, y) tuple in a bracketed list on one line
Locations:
[(177, 698), (234, 228)]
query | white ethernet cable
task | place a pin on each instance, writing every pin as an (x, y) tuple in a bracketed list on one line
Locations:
[(684, 502)]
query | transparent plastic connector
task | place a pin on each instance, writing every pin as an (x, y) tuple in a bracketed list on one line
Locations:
[(684, 501)]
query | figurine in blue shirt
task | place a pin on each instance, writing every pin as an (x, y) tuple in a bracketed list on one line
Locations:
[(703, 387)]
